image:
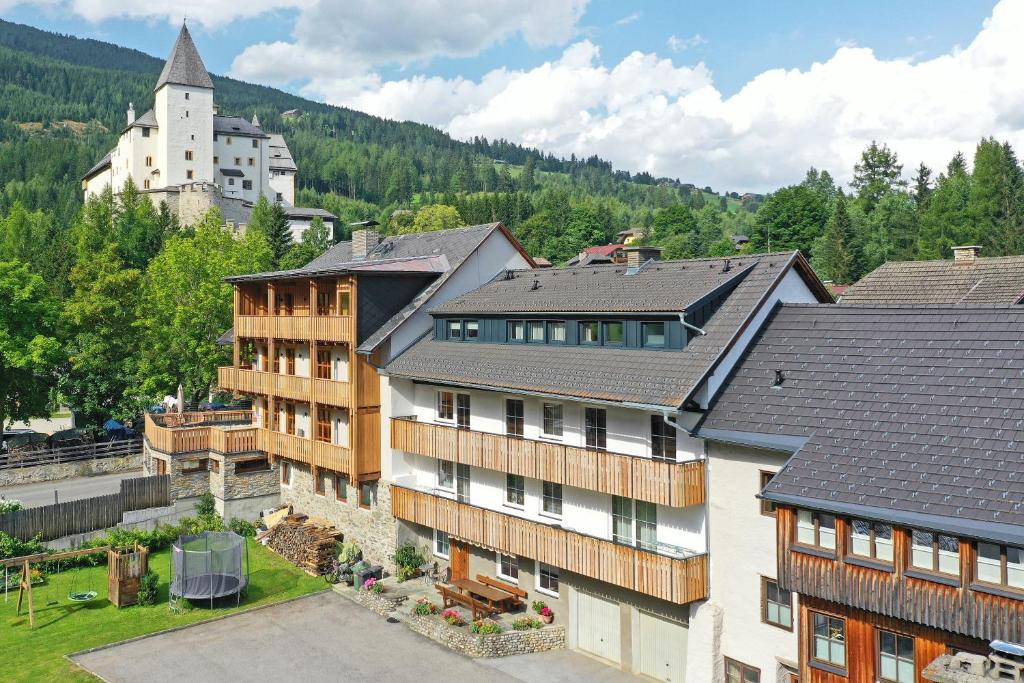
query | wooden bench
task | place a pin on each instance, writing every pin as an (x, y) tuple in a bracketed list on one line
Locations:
[(518, 594), (451, 598)]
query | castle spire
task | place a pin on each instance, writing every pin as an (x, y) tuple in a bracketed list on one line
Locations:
[(255, 121), (185, 66)]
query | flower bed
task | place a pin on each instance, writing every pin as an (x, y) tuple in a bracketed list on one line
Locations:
[(485, 638)]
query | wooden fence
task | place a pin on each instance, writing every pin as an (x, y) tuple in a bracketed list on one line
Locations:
[(91, 451), (88, 514)]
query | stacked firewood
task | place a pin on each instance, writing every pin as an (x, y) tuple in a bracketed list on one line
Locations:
[(309, 546)]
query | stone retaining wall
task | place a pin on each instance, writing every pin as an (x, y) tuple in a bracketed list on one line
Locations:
[(70, 470)]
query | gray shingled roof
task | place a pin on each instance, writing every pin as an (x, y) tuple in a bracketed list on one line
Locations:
[(661, 378), (185, 66), (308, 212), (996, 280), (280, 156), (99, 166), (236, 125), (914, 415)]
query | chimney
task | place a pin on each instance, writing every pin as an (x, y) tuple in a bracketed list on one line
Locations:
[(131, 113), (364, 242), (638, 256), (966, 254)]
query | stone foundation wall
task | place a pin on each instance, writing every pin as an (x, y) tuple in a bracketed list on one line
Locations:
[(464, 641), (248, 484), (70, 470), (374, 530)]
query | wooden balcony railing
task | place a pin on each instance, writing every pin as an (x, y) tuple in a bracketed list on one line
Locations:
[(666, 483), (333, 328), (187, 432), (302, 449), (678, 580), (328, 391)]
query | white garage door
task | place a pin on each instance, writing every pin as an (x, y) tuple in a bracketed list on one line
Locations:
[(597, 626), (662, 648)]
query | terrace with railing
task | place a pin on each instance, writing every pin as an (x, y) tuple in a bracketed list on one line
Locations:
[(223, 431)]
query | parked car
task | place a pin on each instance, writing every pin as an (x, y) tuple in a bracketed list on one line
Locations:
[(212, 405), (157, 409)]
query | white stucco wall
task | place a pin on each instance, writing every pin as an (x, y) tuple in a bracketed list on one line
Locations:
[(283, 182), (185, 124)]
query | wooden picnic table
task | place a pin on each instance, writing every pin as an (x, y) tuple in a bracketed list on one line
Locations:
[(495, 599)]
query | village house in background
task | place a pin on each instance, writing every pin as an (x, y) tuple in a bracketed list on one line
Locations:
[(184, 153)]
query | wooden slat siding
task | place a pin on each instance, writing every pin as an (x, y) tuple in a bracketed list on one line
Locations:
[(226, 378), (672, 484), (367, 382), (292, 326), (233, 440), (333, 328), (366, 459), (676, 580), (253, 326), (92, 451), (140, 493), (332, 392), (321, 454), (960, 610)]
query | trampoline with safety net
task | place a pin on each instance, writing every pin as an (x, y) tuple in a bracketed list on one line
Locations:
[(208, 566)]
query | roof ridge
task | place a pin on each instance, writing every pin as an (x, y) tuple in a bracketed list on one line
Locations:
[(184, 66)]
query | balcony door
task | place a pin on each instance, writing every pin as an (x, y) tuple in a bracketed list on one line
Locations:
[(289, 418), (459, 559), (289, 357)]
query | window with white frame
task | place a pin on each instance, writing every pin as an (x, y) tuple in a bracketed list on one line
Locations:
[(663, 439), (442, 548), (816, 529), (535, 332), (551, 424), (462, 483), (871, 539), (515, 422), (776, 604), (551, 503), (547, 579), (462, 410), (508, 567), (445, 474), (1000, 565), (896, 658), (934, 552), (445, 406), (515, 490), (622, 520)]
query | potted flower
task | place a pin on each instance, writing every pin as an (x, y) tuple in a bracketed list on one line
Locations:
[(543, 611), (453, 618), (424, 608), (373, 585)]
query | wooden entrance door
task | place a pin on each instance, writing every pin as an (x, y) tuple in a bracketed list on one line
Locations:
[(460, 559)]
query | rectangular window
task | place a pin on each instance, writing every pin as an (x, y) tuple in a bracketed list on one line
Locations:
[(187, 95), (738, 672), (871, 539), (286, 473), (547, 579), (455, 330), (231, 181), (663, 439), (622, 520), (535, 331), (828, 639), (515, 490), (896, 658), (516, 331), (654, 334), (776, 604), (145, 132), (556, 333), (149, 161), (514, 421), (551, 503), (323, 364), (646, 525), (188, 155), (341, 488), (596, 427), (289, 358), (246, 184), (446, 474), (445, 405), (255, 144), (472, 330), (768, 508), (254, 465), (816, 528), (590, 333), (935, 552), (442, 547), (508, 567), (193, 466), (215, 465), (318, 483), (367, 494), (1001, 565), (551, 424), (462, 483), (238, 161), (227, 140), (323, 425), (216, 160), (615, 333), (252, 160), (188, 174), (145, 184), (462, 411)]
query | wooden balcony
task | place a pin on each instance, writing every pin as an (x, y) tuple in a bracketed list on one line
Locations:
[(329, 328), (328, 391), (221, 431), (666, 483), (301, 449), (678, 580), (332, 392)]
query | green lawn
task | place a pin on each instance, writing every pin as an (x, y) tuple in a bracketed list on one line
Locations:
[(63, 627)]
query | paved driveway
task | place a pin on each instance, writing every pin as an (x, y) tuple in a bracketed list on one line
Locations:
[(325, 637), (33, 495)]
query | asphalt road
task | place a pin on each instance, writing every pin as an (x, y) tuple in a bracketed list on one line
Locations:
[(324, 637), (34, 495)]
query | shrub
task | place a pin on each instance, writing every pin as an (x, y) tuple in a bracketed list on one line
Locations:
[(10, 506), (406, 573), (526, 623), (348, 552), (424, 607), (243, 527), (206, 505), (453, 617), (13, 547), (408, 555), (486, 627), (148, 588), (538, 605)]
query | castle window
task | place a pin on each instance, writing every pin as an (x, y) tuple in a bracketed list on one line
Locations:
[(246, 184), (228, 141), (216, 160), (145, 184), (186, 113), (238, 161), (252, 161), (145, 132), (279, 197), (186, 95), (255, 144), (188, 174), (231, 181), (188, 155), (149, 161)]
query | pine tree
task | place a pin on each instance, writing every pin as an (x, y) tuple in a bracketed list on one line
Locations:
[(831, 255), (922, 186), (878, 172), (271, 220), (526, 179), (995, 198)]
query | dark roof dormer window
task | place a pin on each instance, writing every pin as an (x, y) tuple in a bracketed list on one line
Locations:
[(516, 331), (654, 334), (535, 332), (590, 332), (556, 332), (455, 330), (614, 333), (472, 330)]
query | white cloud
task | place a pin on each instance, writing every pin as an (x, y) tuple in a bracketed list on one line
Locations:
[(677, 44), (628, 19), (647, 113), (209, 13)]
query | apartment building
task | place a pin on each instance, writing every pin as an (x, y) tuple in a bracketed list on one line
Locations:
[(541, 432), (898, 507)]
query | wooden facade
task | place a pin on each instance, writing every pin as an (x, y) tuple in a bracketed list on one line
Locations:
[(244, 381), (672, 484), (677, 580), (188, 432), (941, 613)]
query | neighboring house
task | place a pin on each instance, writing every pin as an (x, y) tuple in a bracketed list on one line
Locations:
[(608, 253), (540, 433), (291, 114), (541, 262), (184, 153), (306, 343), (739, 241), (627, 237), (966, 279), (896, 432)]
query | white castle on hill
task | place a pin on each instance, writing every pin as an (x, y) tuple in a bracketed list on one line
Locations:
[(184, 153)]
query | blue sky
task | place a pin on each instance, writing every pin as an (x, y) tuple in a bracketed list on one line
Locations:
[(742, 94)]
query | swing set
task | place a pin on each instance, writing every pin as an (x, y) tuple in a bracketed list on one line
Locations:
[(125, 567)]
